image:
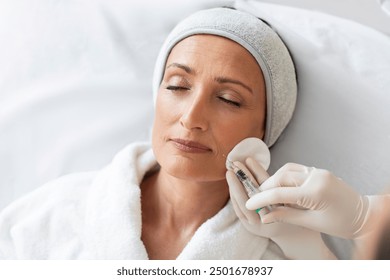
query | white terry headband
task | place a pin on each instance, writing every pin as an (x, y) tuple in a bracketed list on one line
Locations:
[(261, 41)]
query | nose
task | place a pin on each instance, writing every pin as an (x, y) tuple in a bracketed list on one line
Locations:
[(195, 116)]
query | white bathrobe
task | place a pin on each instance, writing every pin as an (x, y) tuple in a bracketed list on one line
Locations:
[(97, 215)]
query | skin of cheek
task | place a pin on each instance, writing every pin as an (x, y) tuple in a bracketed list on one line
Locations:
[(226, 130)]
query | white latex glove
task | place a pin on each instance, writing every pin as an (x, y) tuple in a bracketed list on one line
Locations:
[(315, 199), (296, 242)]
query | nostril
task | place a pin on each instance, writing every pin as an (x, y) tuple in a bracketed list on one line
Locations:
[(195, 117), (193, 120)]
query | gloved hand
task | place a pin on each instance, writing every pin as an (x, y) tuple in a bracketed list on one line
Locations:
[(296, 242), (315, 199)]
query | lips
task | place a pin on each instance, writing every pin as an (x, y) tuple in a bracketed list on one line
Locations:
[(190, 146)]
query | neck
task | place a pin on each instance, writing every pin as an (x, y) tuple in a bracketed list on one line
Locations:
[(181, 203)]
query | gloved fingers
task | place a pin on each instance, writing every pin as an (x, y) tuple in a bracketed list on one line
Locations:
[(304, 218), (253, 217), (235, 188), (289, 175), (285, 214), (256, 228), (238, 211), (242, 166), (257, 170), (284, 179), (275, 196), (239, 198)]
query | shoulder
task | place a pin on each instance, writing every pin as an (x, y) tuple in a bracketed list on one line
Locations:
[(74, 186), (65, 185), (67, 189), (28, 225), (31, 226)]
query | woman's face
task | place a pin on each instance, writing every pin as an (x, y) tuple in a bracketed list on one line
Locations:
[(211, 97)]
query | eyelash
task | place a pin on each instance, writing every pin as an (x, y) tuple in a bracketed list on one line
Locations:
[(230, 102), (227, 101), (176, 88)]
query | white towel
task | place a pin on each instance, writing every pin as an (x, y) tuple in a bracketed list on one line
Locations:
[(97, 215)]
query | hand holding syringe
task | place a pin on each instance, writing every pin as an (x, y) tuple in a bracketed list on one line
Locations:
[(296, 242), (257, 149), (251, 188), (305, 200)]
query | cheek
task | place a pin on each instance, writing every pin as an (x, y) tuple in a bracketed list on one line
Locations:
[(164, 114), (249, 122), (230, 132), (165, 117)]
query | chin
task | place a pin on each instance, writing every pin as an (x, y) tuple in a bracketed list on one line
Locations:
[(194, 171), (190, 167)]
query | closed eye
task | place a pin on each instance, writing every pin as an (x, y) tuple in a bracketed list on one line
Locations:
[(230, 102), (176, 88)]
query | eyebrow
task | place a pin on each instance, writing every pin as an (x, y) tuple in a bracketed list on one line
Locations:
[(186, 68), (223, 80)]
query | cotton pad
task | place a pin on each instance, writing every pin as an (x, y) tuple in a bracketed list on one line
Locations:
[(250, 147)]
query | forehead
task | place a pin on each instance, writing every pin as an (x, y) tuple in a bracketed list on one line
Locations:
[(214, 49)]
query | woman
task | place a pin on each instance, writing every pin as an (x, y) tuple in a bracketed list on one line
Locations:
[(202, 111), (210, 94), (221, 76)]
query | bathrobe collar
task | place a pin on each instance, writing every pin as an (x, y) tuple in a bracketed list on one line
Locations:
[(114, 223)]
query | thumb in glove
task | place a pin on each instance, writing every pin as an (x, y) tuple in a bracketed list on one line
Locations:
[(296, 242)]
